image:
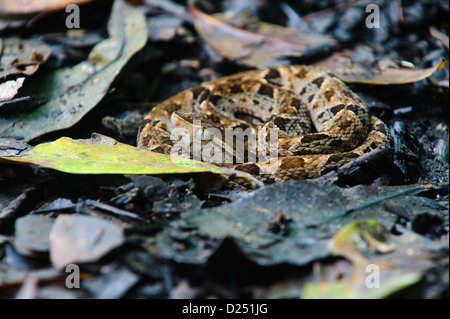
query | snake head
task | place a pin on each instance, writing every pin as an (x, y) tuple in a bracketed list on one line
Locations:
[(199, 127)]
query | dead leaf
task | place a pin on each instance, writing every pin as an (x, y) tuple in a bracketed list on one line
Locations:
[(380, 275), (82, 239), (15, 7), (313, 211), (22, 57), (68, 94), (440, 36), (32, 234), (10, 146), (269, 44), (358, 237), (112, 283), (12, 200), (381, 72)]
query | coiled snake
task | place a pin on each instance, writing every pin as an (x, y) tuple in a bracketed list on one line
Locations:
[(319, 122)]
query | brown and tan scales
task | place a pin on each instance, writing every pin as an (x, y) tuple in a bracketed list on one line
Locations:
[(321, 123)]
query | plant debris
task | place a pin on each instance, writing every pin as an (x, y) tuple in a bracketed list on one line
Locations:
[(87, 214)]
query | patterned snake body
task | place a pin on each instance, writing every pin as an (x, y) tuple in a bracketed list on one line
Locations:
[(320, 123)]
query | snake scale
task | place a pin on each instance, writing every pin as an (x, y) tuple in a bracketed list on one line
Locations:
[(319, 122)]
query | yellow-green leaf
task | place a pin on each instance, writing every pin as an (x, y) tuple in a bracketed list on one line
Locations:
[(104, 155), (354, 288)]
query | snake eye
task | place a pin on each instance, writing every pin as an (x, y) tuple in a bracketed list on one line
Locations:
[(203, 134)]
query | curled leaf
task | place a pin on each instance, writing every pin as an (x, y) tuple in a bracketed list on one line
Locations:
[(22, 57), (267, 44), (384, 72)]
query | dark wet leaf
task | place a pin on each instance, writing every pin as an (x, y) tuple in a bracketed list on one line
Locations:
[(10, 146), (13, 200), (289, 222), (78, 239), (68, 94), (59, 204)]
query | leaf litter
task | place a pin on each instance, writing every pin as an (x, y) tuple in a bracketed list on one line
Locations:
[(304, 235), (134, 230), (79, 88)]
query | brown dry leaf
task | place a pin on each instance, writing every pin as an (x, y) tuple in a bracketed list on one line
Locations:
[(22, 57), (77, 238), (266, 45), (382, 72), (12, 7)]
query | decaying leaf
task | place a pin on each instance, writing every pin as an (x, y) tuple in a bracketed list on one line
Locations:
[(32, 234), (10, 146), (440, 36), (77, 239), (22, 57), (11, 201), (104, 155), (356, 288), (311, 212), (112, 284), (68, 94), (381, 72), (378, 274), (354, 239), (267, 45)]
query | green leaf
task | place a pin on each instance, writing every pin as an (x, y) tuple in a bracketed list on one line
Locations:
[(357, 288), (104, 155), (67, 94)]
